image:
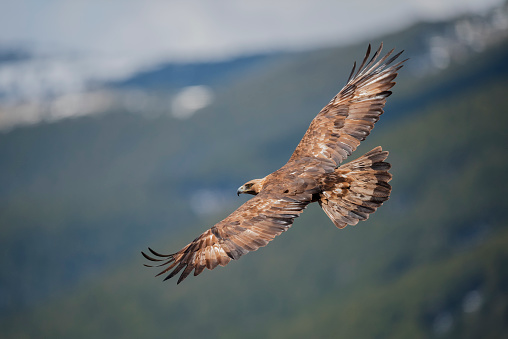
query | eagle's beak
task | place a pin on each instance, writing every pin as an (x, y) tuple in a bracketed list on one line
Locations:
[(240, 190)]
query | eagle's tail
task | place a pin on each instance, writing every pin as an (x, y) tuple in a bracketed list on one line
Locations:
[(356, 189)]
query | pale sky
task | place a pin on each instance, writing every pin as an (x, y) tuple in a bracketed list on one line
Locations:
[(204, 29), (79, 43)]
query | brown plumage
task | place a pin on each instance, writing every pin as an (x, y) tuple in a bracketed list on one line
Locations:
[(347, 193)]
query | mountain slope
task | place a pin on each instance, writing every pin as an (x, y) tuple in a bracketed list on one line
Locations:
[(406, 272), (80, 195)]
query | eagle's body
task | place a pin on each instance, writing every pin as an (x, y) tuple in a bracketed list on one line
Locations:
[(347, 193)]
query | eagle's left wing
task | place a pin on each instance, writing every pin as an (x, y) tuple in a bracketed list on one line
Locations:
[(350, 116), (251, 226)]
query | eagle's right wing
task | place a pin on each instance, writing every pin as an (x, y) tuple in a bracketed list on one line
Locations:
[(251, 226)]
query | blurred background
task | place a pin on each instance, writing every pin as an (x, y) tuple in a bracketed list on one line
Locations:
[(128, 124)]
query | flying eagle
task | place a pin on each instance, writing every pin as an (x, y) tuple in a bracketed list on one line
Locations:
[(347, 193)]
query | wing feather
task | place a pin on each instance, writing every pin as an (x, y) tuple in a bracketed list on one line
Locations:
[(251, 226), (350, 116)]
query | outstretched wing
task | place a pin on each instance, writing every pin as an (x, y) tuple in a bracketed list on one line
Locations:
[(251, 226), (350, 116)]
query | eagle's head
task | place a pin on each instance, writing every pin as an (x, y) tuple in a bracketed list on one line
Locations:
[(251, 187)]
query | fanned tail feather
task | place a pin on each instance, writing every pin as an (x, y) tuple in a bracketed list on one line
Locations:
[(356, 189)]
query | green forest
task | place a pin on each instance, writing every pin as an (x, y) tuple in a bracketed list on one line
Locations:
[(80, 198)]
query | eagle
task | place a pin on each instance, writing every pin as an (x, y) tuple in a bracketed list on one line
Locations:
[(347, 193)]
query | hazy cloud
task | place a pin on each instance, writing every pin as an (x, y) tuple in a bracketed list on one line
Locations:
[(80, 45), (201, 29)]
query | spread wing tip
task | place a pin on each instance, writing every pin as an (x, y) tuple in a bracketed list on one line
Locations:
[(176, 263), (372, 66), (163, 260)]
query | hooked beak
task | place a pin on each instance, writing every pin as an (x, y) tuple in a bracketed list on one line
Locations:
[(240, 190)]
